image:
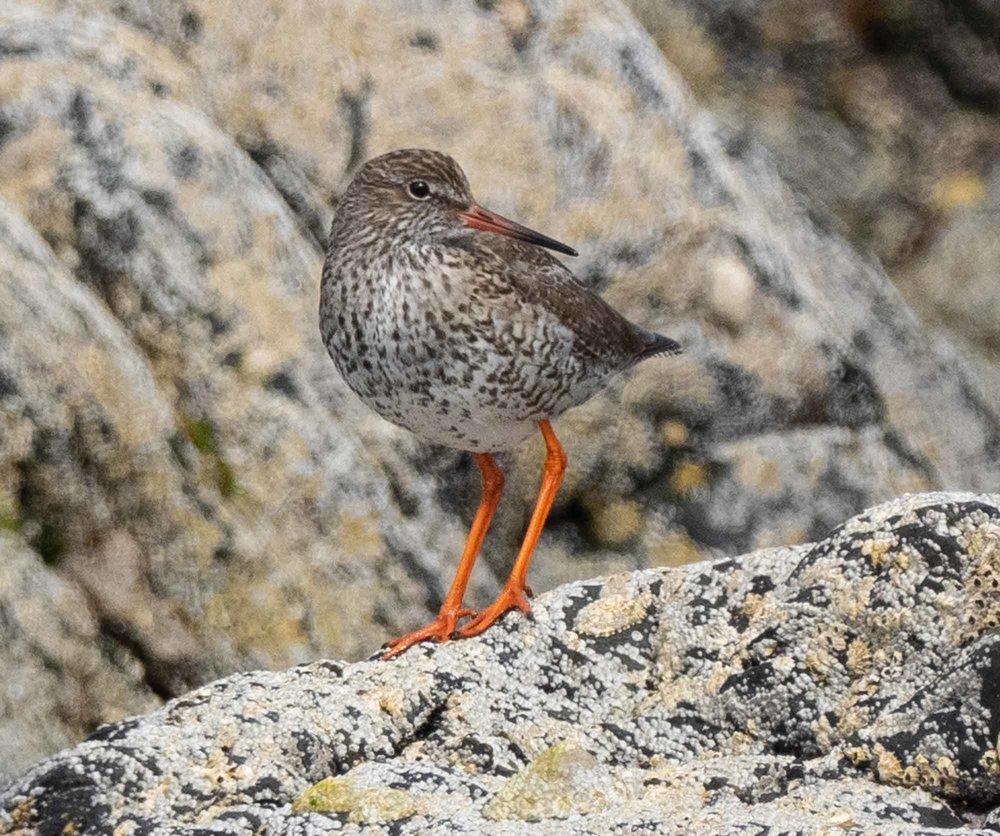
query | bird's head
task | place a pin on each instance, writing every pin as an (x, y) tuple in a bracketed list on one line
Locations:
[(422, 196)]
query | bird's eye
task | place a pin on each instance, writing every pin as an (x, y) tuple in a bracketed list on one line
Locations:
[(419, 189)]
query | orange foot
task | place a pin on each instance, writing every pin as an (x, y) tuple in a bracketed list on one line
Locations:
[(511, 598), (439, 630)]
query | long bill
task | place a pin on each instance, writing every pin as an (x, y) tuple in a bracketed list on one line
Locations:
[(477, 217)]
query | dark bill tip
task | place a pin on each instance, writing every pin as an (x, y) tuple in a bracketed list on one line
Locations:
[(478, 218)]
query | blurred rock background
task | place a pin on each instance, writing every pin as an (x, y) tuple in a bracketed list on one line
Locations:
[(186, 487), (886, 113)]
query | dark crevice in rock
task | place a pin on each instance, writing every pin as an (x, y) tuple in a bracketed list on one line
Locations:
[(428, 726), (164, 678), (294, 187), (421, 573), (356, 109), (896, 444), (406, 500), (769, 280)]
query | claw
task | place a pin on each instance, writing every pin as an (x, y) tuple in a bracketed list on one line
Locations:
[(439, 630), (509, 599)]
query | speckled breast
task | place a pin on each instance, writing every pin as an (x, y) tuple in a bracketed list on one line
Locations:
[(427, 355)]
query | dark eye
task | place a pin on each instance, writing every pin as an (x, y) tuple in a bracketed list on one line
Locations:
[(419, 189)]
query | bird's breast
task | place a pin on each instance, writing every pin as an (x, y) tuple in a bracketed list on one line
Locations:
[(433, 350), (387, 323)]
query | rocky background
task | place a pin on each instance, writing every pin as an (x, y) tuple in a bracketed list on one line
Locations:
[(186, 487), (885, 112)]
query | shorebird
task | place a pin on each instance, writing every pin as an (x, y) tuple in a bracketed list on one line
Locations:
[(458, 324)]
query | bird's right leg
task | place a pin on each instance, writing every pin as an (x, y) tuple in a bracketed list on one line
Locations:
[(512, 596), (441, 628)]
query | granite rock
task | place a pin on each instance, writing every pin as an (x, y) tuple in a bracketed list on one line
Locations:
[(181, 452), (886, 112), (847, 685)]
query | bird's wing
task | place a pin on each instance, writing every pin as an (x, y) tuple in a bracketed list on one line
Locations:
[(527, 281)]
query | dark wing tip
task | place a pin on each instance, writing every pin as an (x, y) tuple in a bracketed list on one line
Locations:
[(655, 345)]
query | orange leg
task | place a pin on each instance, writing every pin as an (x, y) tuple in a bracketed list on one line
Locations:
[(512, 596), (442, 627)]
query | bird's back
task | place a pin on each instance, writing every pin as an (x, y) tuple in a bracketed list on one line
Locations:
[(544, 289)]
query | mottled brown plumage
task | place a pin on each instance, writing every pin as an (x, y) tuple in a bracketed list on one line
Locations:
[(455, 323)]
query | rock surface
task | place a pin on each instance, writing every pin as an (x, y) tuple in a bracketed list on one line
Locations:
[(178, 454), (887, 112), (849, 685)]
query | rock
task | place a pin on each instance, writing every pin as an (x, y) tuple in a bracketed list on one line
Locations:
[(884, 112), (61, 677), (181, 452), (852, 684), (363, 805), (562, 781)]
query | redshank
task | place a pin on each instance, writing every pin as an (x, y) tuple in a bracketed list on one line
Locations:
[(458, 324)]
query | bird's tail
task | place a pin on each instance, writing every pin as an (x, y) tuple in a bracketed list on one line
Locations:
[(655, 345)]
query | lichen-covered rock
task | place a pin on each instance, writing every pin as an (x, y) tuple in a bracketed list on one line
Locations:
[(366, 805), (60, 676), (181, 451), (887, 113), (848, 685)]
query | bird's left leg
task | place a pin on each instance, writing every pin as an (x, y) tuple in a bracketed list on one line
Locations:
[(512, 596), (441, 628)]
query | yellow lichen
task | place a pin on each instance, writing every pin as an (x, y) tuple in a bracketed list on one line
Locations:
[(752, 604), (675, 549), (857, 755), (258, 614), (23, 812), (759, 472), (820, 656), (688, 477), (674, 433), (563, 780), (616, 523), (981, 610), (364, 805), (361, 534), (850, 717), (959, 190), (940, 775), (843, 819), (990, 761), (859, 657), (888, 766), (877, 549)]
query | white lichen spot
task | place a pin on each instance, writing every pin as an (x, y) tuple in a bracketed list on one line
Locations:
[(730, 290), (784, 664)]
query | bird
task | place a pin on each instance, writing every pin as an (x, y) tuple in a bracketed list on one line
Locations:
[(461, 325)]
